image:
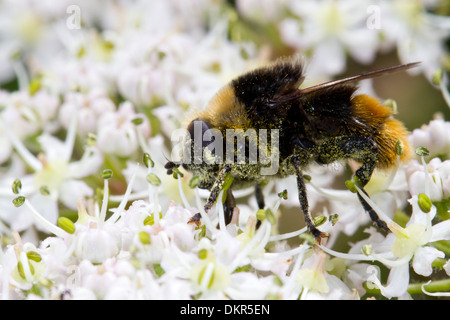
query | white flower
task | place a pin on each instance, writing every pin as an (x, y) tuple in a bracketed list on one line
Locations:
[(89, 108), (97, 243), (55, 177), (416, 34), (435, 136), (432, 179), (412, 243), (260, 10), (26, 114), (131, 64), (116, 133), (328, 28), (22, 265)]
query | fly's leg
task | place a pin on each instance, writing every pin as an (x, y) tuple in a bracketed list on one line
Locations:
[(260, 201), (302, 196), (228, 206), (217, 187), (363, 174), (259, 197), (361, 149)]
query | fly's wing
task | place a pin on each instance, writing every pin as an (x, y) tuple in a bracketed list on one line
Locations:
[(326, 109), (295, 96)]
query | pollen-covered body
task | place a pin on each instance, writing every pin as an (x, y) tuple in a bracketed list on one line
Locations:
[(319, 127), (320, 124)]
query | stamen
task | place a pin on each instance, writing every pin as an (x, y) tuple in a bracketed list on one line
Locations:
[(392, 175), (22, 76), (45, 223), (27, 156), (363, 257), (298, 262), (70, 137), (125, 199), (219, 205), (205, 218), (265, 238), (288, 235), (182, 195), (350, 256), (372, 204), (141, 140), (340, 195), (251, 244), (444, 90), (104, 202)]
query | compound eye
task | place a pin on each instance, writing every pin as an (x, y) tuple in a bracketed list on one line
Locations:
[(197, 129)]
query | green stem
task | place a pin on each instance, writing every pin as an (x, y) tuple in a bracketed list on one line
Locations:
[(416, 288), (442, 245), (435, 286)]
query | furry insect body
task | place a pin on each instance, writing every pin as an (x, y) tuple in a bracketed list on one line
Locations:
[(321, 124)]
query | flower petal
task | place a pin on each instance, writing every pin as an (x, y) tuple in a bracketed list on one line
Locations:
[(441, 231), (397, 283), (423, 258)]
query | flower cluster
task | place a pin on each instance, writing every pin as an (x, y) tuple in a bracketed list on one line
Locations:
[(90, 93)]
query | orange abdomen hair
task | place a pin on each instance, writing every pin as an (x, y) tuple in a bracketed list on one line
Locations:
[(385, 129)]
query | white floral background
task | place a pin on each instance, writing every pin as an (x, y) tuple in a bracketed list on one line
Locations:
[(90, 92)]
